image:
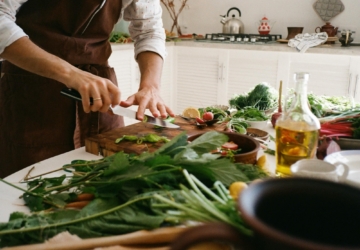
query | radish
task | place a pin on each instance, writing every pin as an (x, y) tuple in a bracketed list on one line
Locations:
[(208, 116)]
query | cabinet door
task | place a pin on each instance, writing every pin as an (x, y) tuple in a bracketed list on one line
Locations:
[(329, 74), (197, 77), (167, 78), (127, 75), (354, 86), (246, 69)]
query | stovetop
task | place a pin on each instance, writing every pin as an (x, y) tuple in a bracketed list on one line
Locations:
[(240, 38)]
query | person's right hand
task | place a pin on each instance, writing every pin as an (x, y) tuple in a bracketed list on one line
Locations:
[(103, 91)]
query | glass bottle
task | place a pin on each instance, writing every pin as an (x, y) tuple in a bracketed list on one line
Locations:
[(297, 129)]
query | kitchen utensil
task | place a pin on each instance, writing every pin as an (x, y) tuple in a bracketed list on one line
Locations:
[(265, 25), (288, 213), (315, 168), (351, 159), (248, 145), (232, 25), (276, 115), (118, 110), (346, 38), (328, 28), (103, 144), (257, 133), (151, 239), (293, 31)]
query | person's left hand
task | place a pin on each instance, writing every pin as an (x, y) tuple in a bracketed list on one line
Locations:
[(148, 98)]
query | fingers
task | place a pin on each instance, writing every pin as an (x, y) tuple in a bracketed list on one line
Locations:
[(102, 92)]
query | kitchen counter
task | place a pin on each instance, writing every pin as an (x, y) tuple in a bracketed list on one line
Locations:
[(333, 49)]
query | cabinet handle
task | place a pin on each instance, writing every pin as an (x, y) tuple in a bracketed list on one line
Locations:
[(220, 72)]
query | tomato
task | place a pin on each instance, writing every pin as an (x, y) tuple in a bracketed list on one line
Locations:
[(230, 145), (208, 116), (200, 121)]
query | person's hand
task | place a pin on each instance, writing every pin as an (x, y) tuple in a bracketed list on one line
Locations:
[(148, 98), (103, 91)]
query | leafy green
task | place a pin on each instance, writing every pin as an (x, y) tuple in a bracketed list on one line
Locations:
[(262, 97), (250, 114), (124, 186)]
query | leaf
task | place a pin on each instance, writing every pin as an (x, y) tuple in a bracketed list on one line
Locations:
[(119, 165), (37, 228), (174, 146)]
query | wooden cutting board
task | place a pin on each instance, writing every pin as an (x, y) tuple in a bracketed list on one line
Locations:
[(104, 144)]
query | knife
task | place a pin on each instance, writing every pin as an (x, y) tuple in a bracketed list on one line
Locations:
[(118, 110)]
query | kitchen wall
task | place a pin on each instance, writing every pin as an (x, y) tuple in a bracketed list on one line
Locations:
[(203, 16)]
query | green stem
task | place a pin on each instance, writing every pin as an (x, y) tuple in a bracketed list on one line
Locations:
[(191, 212), (208, 191), (43, 227)]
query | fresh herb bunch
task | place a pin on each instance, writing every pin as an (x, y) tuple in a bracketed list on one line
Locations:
[(262, 97), (251, 114), (124, 186)]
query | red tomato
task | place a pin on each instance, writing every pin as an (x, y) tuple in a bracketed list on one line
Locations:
[(230, 145), (223, 152), (208, 116), (200, 121)]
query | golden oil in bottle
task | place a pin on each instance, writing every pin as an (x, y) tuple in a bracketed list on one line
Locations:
[(297, 129), (292, 146)]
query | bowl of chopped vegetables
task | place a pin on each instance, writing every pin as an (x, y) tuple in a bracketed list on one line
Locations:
[(239, 147)]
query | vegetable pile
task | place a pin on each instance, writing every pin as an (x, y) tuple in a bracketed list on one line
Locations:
[(262, 97), (126, 193)]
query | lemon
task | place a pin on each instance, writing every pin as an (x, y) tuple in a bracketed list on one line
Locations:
[(191, 112), (236, 188), (261, 162)]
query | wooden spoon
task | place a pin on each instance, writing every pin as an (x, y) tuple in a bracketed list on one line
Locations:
[(276, 115)]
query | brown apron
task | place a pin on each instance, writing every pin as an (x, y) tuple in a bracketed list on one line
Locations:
[(36, 121)]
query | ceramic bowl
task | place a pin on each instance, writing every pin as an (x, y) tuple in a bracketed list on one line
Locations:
[(257, 133), (258, 124), (287, 213), (249, 146)]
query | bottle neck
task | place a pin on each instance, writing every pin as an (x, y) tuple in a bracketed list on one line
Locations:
[(301, 99)]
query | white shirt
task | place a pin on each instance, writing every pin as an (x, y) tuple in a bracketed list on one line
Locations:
[(145, 16)]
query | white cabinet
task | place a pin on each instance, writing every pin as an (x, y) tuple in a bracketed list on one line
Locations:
[(197, 77), (354, 79), (204, 76), (329, 74), (127, 75), (207, 76), (245, 69)]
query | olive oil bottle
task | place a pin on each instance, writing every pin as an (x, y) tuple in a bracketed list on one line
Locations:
[(297, 129)]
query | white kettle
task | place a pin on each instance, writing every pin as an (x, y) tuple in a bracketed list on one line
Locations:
[(232, 25)]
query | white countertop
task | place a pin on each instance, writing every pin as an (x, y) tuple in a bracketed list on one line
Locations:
[(334, 49)]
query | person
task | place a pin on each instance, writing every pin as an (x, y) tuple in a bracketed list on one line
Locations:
[(48, 45)]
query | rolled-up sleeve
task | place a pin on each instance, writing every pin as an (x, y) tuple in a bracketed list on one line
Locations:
[(9, 31), (146, 26)]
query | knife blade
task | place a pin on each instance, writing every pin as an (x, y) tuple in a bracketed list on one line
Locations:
[(118, 110)]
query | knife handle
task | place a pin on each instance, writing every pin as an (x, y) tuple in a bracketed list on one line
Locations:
[(72, 93)]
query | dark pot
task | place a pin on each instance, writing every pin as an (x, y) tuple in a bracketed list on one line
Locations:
[(289, 213)]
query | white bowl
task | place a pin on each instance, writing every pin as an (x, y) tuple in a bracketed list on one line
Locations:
[(258, 124)]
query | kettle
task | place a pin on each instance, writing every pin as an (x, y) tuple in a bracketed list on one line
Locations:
[(328, 28), (232, 25)]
